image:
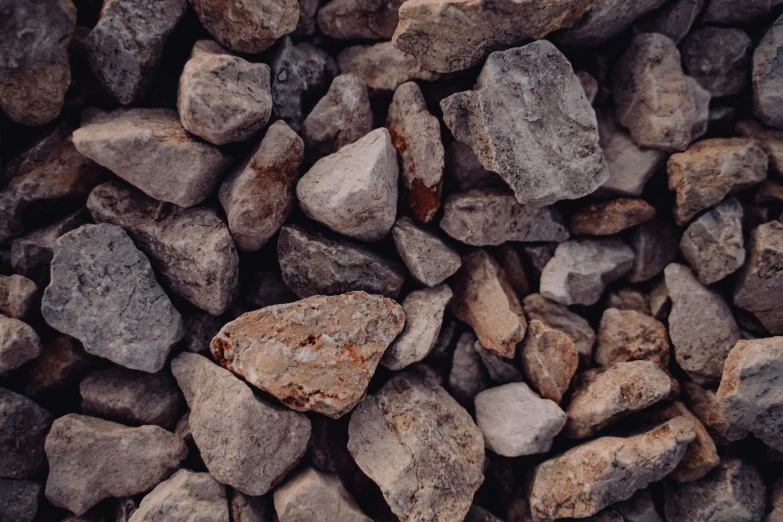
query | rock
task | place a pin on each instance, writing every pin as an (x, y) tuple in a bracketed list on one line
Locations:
[(559, 317), (629, 299), (382, 66), (436, 449), (62, 363), (89, 460), (18, 344), (725, 12), (759, 282), (354, 191), (701, 119), (673, 19), (456, 34), (713, 243), (492, 216), (34, 66), (247, 26), (515, 421), (312, 496), (511, 261), (718, 58), (479, 514), (32, 253), (710, 170), (552, 128), (306, 24), (186, 496), (549, 360), (339, 118), (653, 97), (423, 319), (705, 405), (610, 217), (628, 335), (132, 397), (126, 45), (701, 326), (464, 171), (191, 249), (359, 19), (499, 369), (770, 140), (589, 84), (612, 469), (768, 191), (484, 299), (223, 98), (149, 149), (604, 396), (428, 258), (103, 292), (17, 296), (250, 509), (317, 354), (315, 264), (258, 196), (23, 428), (468, 376), (639, 508), (775, 505), (654, 245), (605, 20), (19, 500), (660, 303), (582, 268), (732, 492)]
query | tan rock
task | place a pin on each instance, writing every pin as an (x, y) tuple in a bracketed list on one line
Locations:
[(382, 66), (629, 299), (706, 406), (549, 360), (359, 19), (17, 296), (769, 139), (560, 318), (18, 344), (610, 217), (312, 496), (760, 282), (628, 335)]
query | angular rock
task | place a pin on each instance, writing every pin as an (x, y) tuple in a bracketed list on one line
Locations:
[(258, 196), (610, 217), (725, 12), (629, 299), (673, 19), (559, 317), (499, 369), (464, 170), (89, 460), (32, 253), (312, 496), (19, 500), (17, 296), (23, 429), (382, 66), (467, 376), (706, 406), (428, 258), (223, 98), (185, 497), (18, 344), (359, 19), (354, 191), (654, 245), (628, 335), (557, 155), (639, 508), (420, 447), (150, 149), (223, 410), (770, 140), (62, 363), (605, 20), (103, 292), (759, 283), (549, 360), (718, 58)]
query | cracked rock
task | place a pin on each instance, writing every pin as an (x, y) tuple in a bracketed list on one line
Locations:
[(760, 281), (468, 375), (312, 496), (628, 335), (428, 258), (17, 296), (549, 360), (674, 19), (185, 497), (18, 344), (606, 19), (359, 19), (23, 429), (654, 245), (32, 253), (382, 66), (19, 500), (610, 217), (718, 58), (559, 317)]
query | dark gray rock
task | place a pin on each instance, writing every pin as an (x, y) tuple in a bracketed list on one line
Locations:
[(429, 259), (759, 283), (32, 253), (23, 429), (719, 59), (19, 500)]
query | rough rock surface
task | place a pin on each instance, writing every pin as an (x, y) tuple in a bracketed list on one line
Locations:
[(674, 19), (420, 447), (32, 253), (705, 405), (718, 58), (23, 429), (770, 140), (312, 496), (429, 259), (727, 12), (610, 217), (549, 360), (767, 84), (467, 376), (62, 363), (760, 281), (559, 317), (499, 369), (606, 19), (185, 497), (89, 460), (17, 296), (628, 335), (359, 19), (258, 196), (382, 66), (19, 500), (556, 155), (316, 354), (18, 344), (629, 299), (222, 408), (654, 245)]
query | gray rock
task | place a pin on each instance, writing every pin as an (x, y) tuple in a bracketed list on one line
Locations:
[(18, 344), (103, 292), (701, 118), (23, 429), (185, 497), (307, 12), (382, 66), (605, 20), (549, 130), (726, 12), (767, 84), (639, 508), (465, 172), (499, 369), (674, 19), (559, 317), (654, 245), (429, 259), (717, 58), (17, 296), (312, 496), (359, 19), (19, 500), (32, 253), (467, 376)]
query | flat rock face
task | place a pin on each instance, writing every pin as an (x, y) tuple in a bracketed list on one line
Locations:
[(103, 292), (610, 217), (382, 66), (719, 59), (19, 500), (760, 281), (17, 296), (314, 264), (629, 335), (606, 19), (420, 447), (223, 98), (354, 191), (654, 245), (701, 326), (149, 149), (559, 317), (23, 429), (18, 344), (187, 497), (429, 259), (542, 139), (359, 19), (317, 354), (258, 196), (549, 360), (453, 35), (710, 170), (89, 460), (767, 85), (126, 45), (222, 409), (612, 469), (673, 19), (190, 249), (312, 496), (654, 99)]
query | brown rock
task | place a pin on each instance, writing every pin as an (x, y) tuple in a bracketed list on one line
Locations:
[(18, 344), (549, 360), (17, 296), (628, 335), (560, 318), (610, 217), (705, 405), (382, 66), (359, 19), (760, 282), (629, 299), (770, 140)]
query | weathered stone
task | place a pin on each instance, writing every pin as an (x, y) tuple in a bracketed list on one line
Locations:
[(654, 99), (654, 245), (605, 20), (701, 326), (250, 509), (726, 12), (223, 410), (705, 405), (718, 58), (581, 269), (559, 317), (420, 447), (32, 253), (549, 360), (23, 428), (18, 344), (629, 299), (759, 283), (314, 264), (103, 292), (306, 24), (465, 172), (89, 460), (191, 249), (674, 19), (17, 296), (610, 217), (628, 335), (185, 497), (611, 469), (359, 19), (382, 66), (62, 363), (149, 149), (701, 118), (428, 258), (775, 503), (312, 496), (34, 70), (223, 98), (467, 376), (639, 508), (354, 191), (770, 140), (499, 369), (544, 146), (126, 45), (258, 196), (19, 500)]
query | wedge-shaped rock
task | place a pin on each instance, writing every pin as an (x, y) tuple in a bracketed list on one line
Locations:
[(420, 447), (718, 58), (760, 282), (542, 138), (17, 296), (316, 354), (312, 496), (767, 83), (549, 360), (629, 335), (382, 66), (654, 245), (149, 149), (559, 317), (705, 405), (18, 344), (244, 442), (606, 19), (428, 258), (359, 19), (673, 19), (185, 497), (23, 428), (610, 217)]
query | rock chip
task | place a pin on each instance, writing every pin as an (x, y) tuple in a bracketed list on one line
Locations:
[(382, 66), (557, 155), (605, 20), (468, 375), (559, 317), (18, 344), (104, 293), (654, 245), (17, 296), (428, 258), (628, 335), (223, 98), (89, 460), (759, 283), (610, 217), (674, 19), (19, 500), (23, 429), (549, 360), (359, 19), (770, 140), (420, 447), (312, 496), (185, 497), (32, 253), (705, 405), (718, 58), (629, 299)]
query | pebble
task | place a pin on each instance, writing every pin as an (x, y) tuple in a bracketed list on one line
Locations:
[(382, 66), (32, 253), (186, 496), (468, 375), (18, 344), (549, 360), (559, 317), (725, 12), (629, 299), (629, 335), (312, 496), (704, 404), (673, 19), (359, 19), (605, 20), (718, 58), (770, 140), (759, 282), (610, 217), (19, 500), (429, 259), (23, 428), (654, 245), (18, 295)]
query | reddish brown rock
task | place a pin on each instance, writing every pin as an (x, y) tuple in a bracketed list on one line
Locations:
[(610, 217), (549, 360)]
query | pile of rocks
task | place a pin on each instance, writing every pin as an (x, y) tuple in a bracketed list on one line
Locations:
[(368, 261)]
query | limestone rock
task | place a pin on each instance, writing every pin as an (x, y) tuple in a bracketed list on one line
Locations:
[(605, 20), (629, 299), (673, 19), (770, 140), (359, 19), (17, 296), (705, 405), (312, 496), (420, 447), (654, 245), (467, 376), (23, 429), (557, 155), (559, 317), (465, 172), (382, 66), (718, 58), (628, 335), (89, 460), (760, 281), (19, 500), (185, 497), (428, 258), (549, 360), (18, 344), (610, 217), (32, 253)]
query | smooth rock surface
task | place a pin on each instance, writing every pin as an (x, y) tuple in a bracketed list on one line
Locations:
[(628, 335), (549, 360), (654, 245), (760, 281), (18, 344), (382, 66), (610, 217), (718, 58), (23, 428), (359, 19), (429, 259), (559, 317), (606, 19), (17, 296), (185, 497), (312, 496)]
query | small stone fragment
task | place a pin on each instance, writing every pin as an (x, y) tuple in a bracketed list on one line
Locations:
[(654, 245), (19, 500), (359, 19), (428, 258), (17, 296), (760, 282), (611, 217), (23, 428), (312, 496), (770, 140), (32, 253), (549, 360), (185, 497), (726, 12), (62, 363), (606, 19), (468, 376), (559, 317), (718, 58), (629, 299), (674, 19), (18, 344), (382, 66), (499, 369), (705, 405), (464, 171)]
